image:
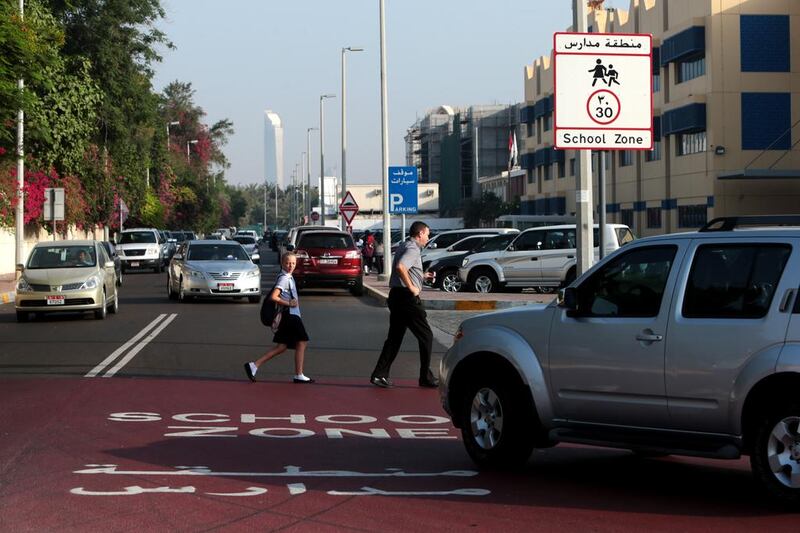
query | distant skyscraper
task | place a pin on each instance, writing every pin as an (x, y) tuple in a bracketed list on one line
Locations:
[(273, 148)]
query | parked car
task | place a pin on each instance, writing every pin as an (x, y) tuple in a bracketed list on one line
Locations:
[(682, 344), (213, 269), (446, 268), (538, 257), (328, 259), (250, 246), (140, 248), (447, 238), (67, 276), (111, 250), (168, 246), (463, 245)]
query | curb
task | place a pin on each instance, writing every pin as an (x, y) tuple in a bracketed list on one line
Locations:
[(452, 305)]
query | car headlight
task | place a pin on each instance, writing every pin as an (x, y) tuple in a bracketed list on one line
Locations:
[(253, 274), (152, 250), (196, 274), (90, 283), (465, 262), (23, 285)]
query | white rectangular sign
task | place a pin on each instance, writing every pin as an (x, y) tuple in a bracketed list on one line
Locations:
[(603, 91)]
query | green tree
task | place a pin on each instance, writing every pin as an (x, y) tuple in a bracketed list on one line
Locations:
[(484, 210)]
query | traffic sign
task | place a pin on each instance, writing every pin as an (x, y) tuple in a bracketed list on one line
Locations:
[(53, 204), (348, 208), (603, 91), (403, 183)]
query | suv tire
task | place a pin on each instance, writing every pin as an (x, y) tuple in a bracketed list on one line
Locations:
[(776, 434), (450, 282), (483, 281), (488, 400), (358, 287)]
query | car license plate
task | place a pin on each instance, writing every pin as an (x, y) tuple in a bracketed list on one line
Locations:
[(328, 261), (55, 300), (225, 286), (134, 264)]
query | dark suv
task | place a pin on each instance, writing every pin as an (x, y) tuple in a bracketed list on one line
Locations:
[(328, 259)]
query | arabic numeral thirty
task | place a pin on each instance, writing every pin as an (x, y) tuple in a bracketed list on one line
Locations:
[(604, 112)]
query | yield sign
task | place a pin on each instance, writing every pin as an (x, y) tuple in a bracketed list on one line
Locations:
[(348, 208)]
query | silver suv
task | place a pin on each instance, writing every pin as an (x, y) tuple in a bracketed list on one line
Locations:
[(539, 257), (679, 344)]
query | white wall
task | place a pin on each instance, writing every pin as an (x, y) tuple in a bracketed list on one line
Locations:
[(8, 245)]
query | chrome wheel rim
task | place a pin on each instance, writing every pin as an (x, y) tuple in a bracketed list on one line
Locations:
[(451, 283), (483, 284), (486, 419), (783, 451)]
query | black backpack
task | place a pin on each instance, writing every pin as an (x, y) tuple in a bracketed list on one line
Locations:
[(269, 308)]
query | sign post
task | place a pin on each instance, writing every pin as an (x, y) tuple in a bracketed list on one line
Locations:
[(53, 207), (348, 209), (603, 101), (403, 185)]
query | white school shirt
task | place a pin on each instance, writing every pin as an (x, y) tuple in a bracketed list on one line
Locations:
[(285, 282)]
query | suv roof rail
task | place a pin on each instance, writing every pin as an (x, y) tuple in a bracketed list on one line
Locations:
[(729, 223)]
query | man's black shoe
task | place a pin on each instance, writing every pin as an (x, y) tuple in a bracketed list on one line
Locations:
[(430, 383), (384, 383)]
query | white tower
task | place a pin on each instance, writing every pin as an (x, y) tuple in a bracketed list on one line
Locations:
[(273, 148)]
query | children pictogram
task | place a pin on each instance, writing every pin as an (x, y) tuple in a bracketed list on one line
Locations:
[(606, 74)]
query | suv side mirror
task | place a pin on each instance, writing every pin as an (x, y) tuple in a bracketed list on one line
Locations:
[(511, 248), (290, 247), (568, 299), (432, 246)]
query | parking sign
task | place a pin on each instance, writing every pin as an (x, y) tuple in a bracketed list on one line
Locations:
[(403, 182), (603, 91)]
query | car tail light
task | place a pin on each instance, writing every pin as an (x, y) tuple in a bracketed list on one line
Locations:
[(352, 254), (301, 254)]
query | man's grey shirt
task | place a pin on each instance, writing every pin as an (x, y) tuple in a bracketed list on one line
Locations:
[(409, 254)]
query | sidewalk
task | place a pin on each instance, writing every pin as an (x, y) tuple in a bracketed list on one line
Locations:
[(7, 286), (435, 299)]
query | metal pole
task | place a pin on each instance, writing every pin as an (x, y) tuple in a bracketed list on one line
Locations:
[(276, 203), (302, 184), (583, 179), (321, 162), (53, 211), (308, 170), (344, 130), (265, 205), (601, 156), (387, 225), (20, 222)]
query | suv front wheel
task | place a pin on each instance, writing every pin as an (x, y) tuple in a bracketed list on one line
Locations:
[(776, 455), (483, 280), (496, 424)]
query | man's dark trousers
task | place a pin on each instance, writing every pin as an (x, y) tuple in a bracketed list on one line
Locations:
[(406, 312)]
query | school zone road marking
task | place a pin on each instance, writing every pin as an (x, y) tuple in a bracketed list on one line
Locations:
[(155, 327)]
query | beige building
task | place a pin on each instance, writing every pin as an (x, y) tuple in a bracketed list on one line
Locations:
[(726, 105)]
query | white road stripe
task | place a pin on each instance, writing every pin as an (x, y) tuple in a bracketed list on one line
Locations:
[(138, 348), (110, 359)]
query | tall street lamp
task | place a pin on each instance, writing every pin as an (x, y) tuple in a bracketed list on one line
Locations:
[(387, 225), (173, 123), (322, 156), (302, 201), (344, 121), (20, 221), (308, 169), (188, 143)]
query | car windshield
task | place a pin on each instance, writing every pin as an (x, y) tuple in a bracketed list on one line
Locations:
[(494, 244), (244, 240), (335, 241), (216, 252), (137, 237), (62, 257)]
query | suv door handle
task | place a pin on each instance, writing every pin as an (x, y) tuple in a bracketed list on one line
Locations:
[(534, 258), (786, 301), (649, 337)]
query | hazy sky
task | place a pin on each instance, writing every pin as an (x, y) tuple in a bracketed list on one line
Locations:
[(245, 56)]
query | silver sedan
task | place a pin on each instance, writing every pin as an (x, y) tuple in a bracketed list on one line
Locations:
[(215, 269)]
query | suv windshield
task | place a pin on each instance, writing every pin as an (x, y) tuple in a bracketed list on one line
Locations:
[(62, 257), (137, 237), (334, 241), (216, 252), (494, 244)]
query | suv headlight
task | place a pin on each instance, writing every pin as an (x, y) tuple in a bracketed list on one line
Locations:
[(23, 285), (90, 283), (465, 262), (151, 250)]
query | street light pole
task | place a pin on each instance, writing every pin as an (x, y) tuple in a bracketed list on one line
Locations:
[(20, 222), (584, 227), (173, 123), (308, 169), (322, 157), (187, 148), (344, 121), (302, 202), (387, 226)]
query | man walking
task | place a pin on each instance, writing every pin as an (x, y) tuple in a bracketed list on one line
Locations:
[(406, 311)]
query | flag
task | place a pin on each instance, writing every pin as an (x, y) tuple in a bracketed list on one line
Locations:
[(513, 153)]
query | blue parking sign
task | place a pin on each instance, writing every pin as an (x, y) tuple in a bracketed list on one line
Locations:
[(403, 183)]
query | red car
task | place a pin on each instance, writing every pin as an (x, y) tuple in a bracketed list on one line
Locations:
[(328, 259)]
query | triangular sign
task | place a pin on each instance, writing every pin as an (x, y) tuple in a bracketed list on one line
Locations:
[(348, 208)]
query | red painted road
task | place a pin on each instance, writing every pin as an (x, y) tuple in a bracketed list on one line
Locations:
[(113, 454)]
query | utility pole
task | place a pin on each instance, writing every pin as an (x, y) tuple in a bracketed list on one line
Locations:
[(20, 225), (387, 225), (583, 179), (322, 157), (344, 122), (308, 170)]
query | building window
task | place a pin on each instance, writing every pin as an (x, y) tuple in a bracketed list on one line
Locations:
[(548, 122), (529, 130), (529, 173), (654, 154), (691, 143), (653, 217), (539, 131), (690, 68), (561, 170), (692, 216), (548, 175), (625, 158), (656, 82), (626, 217), (572, 166)]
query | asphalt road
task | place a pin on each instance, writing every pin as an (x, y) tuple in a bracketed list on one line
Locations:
[(174, 437)]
